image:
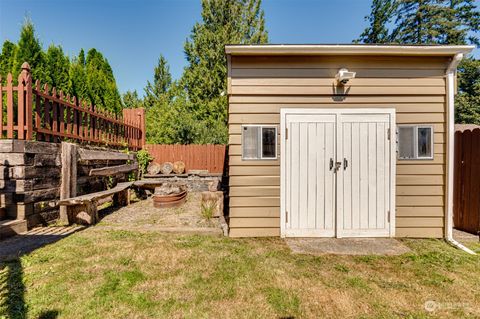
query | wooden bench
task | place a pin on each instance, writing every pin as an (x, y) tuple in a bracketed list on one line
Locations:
[(83, 209)]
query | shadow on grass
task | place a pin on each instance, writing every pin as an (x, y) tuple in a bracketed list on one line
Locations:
[(21, 244), (12, 302), (12, 292), (12, 287)]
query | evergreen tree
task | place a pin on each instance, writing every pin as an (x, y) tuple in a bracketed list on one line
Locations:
[(461, 23), (77, 79), (29, 50), (422, 22), (56, 69), (156, 92), (101, 86), (468, 97), (169, 122), (7, 58), (380, 15), (88, 78), (204, 79), (415, 22), (131, 100), (436, 22)]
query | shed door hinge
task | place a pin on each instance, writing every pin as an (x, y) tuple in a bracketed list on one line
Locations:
[(388, 216), (388, 134), (286, 133), (286, 216)]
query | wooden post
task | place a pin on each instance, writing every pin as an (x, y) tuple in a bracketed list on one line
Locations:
[(141, 114), (9, 106), (1, 109), (28, 100), (68, 187), (21, 104), (38, 110)]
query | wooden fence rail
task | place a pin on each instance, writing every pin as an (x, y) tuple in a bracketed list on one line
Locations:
[(466, 200), (34, 112), (206, 157)]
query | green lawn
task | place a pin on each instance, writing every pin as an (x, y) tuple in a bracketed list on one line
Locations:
[(123, 274)]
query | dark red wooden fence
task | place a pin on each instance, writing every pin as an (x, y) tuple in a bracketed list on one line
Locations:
[(34, 112), (206, 157), (466, 202)]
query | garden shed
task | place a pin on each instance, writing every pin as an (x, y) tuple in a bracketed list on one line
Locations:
[(341, 140)]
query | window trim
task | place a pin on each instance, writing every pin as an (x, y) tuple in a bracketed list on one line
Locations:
[(261, 126), (415, 141)]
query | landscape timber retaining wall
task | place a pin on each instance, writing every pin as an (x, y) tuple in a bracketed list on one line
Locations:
[(30, 178)]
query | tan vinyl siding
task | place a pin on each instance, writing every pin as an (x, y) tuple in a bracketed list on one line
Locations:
[(260, 86)]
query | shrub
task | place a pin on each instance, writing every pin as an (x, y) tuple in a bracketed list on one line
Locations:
[(144, 158)]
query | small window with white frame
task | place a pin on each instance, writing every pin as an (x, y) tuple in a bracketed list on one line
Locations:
[(415, 142), (259, 142)]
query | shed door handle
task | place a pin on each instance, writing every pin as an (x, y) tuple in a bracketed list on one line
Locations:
[(345, 164), (337, 166), (331, 163)]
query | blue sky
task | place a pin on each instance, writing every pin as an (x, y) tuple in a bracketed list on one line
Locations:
[(132, 34)]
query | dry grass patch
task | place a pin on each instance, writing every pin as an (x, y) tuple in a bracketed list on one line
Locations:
[(129, 274)]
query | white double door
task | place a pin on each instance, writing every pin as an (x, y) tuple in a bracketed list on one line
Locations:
[(336, 177)]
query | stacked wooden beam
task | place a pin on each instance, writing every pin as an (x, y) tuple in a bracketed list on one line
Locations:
[(31, 177)]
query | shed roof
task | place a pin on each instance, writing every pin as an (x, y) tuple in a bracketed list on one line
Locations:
[(347, 49)]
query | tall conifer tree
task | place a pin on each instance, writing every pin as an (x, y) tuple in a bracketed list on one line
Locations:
[(380, 16), (57, 67), (162, 81), (223, 22), (131, 99), (77, 82), (436, 22), (7, 58), (101, 86), (29, 50)]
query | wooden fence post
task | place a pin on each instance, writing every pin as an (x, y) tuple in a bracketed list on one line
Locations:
[(1, 109), (141, 115), (27, 78), (9, 106), (68, 187), (21, 104)]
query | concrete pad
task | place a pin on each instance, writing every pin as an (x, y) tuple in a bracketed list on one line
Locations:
[(347, 246)]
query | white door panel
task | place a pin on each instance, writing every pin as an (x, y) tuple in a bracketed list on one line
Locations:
[(364, 182), (310, 199)]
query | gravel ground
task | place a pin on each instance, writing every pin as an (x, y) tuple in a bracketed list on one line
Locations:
[(143, 213)]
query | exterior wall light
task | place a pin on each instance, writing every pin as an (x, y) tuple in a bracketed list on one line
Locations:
[(343, 75)]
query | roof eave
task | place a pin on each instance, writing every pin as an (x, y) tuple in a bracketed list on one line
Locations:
[(443, 50)]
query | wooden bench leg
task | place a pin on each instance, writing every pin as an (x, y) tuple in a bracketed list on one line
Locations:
[(122, 198), (85, 214)]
